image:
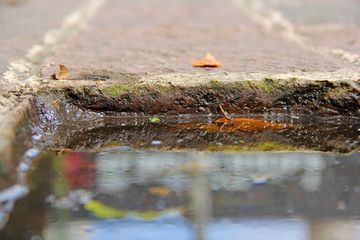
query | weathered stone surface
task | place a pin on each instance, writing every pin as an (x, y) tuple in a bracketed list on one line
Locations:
[(325, 23), (165, 36), (23, 24), (268, 95)]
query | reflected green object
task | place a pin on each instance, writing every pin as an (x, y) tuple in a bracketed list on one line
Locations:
[(60, 185), (102, 211), (148, 215)]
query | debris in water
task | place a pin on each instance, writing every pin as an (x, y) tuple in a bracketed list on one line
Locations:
[(248, 124), (154, 119), (227, 124)]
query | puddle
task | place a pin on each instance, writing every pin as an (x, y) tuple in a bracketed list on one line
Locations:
[(124, 193), (91, 175), (65, 126)]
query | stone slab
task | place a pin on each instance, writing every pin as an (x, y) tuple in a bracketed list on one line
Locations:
[(152, 38)]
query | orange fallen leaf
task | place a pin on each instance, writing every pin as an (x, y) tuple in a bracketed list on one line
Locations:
[(227, 124), (249, 124), (207, 61), (162, 191), (55, 102), (64, 73)]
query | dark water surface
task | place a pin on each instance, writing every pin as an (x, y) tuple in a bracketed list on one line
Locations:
[(288, 177), (122, 193)]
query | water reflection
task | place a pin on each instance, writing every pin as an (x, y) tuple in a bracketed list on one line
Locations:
[(62, 126), (121, 192)]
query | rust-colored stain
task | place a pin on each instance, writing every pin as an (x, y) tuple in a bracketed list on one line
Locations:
[(227, 124), (248, 124), (207, 61)]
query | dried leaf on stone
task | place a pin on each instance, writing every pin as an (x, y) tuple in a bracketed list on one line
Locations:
[(64, 73), (207, 61)]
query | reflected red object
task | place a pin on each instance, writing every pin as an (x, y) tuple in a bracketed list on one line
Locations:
[(79, 170)]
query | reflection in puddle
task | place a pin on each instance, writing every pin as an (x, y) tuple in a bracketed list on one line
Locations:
[(124, 193), (64, 126)]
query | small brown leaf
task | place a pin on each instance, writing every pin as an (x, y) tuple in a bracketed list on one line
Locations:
[(64, 72), (207, 61)]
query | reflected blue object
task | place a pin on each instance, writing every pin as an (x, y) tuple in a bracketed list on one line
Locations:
[(176, 228), (23, 167), (36, 137), (31, 153), (257, 229), (180, 229), (13, 193), (156, 142)]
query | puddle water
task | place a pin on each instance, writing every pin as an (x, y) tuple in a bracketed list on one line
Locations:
[(122, 193), (80, 180)]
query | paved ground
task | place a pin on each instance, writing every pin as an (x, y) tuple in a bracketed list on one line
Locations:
[(155, 41), (157, 38)]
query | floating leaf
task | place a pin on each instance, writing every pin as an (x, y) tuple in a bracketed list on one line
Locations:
[(227, 124), (64, 73), (207, 61), (248, 124)]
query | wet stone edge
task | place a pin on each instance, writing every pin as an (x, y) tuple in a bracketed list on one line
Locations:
[(275, 96)]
